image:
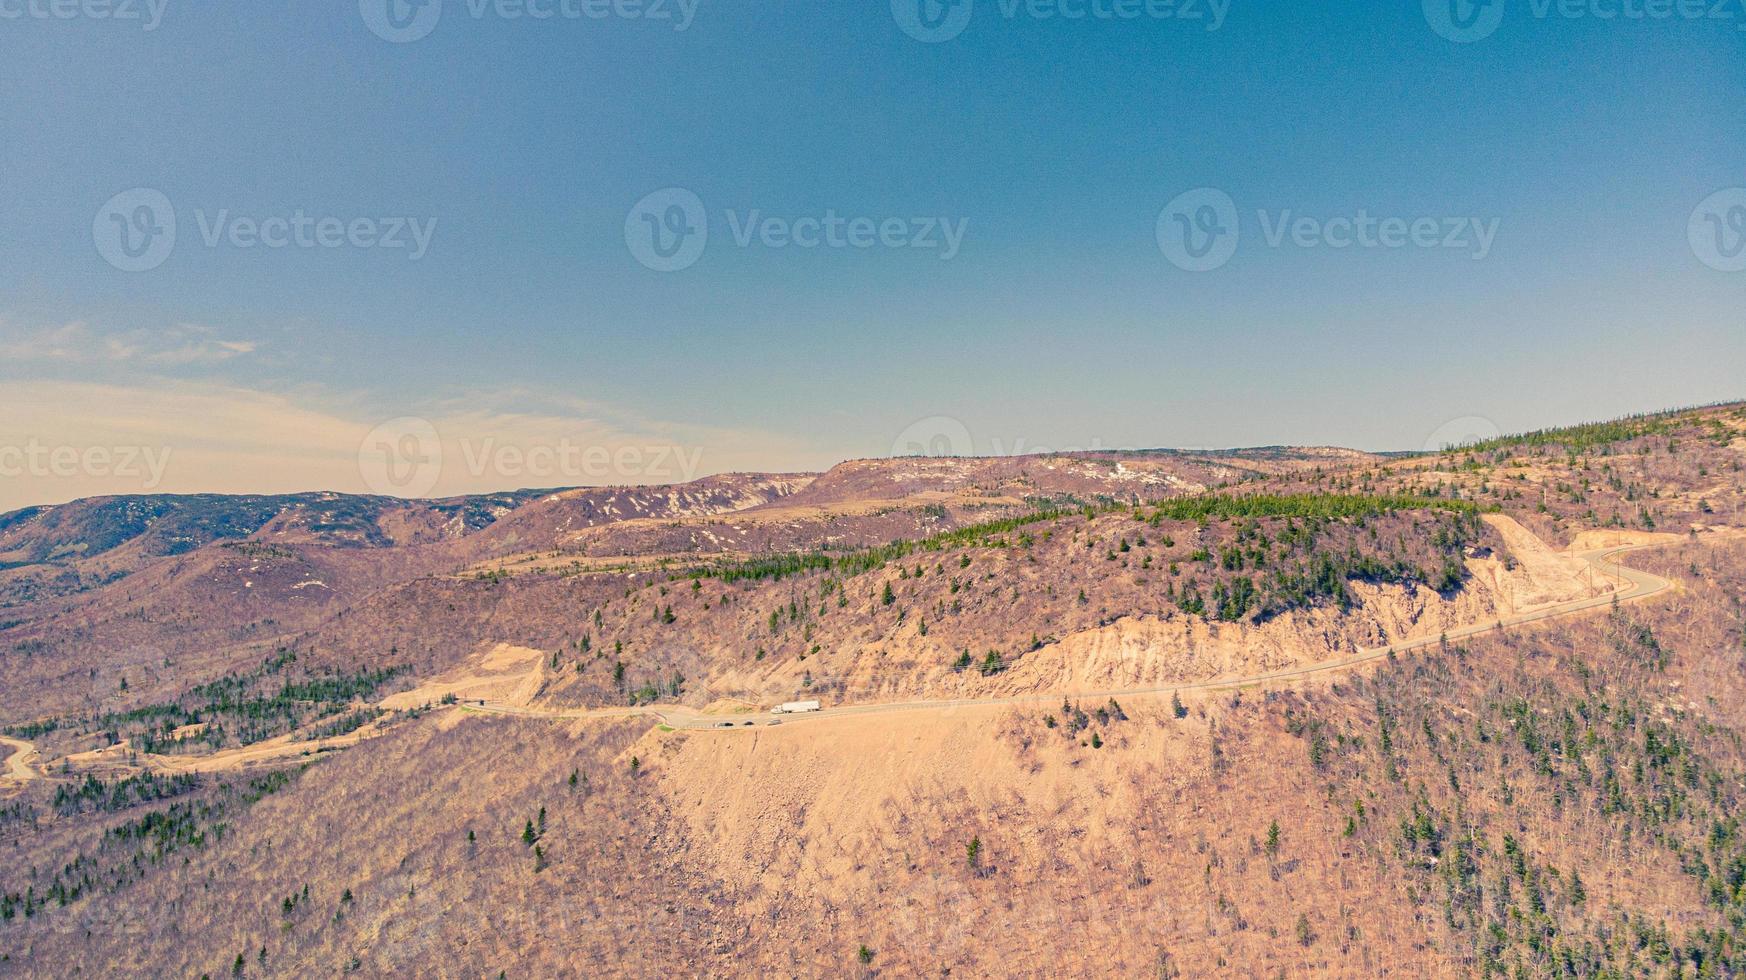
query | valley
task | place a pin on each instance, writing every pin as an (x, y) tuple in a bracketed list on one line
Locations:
[(1149, 714)]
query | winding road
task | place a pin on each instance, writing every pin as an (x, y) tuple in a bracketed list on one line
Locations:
[(1633, 585), (19, 768)]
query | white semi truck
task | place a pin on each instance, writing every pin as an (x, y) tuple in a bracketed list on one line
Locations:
[(796, 708)]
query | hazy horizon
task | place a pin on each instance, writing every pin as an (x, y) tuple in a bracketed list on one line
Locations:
[(684, 467), (1193, 225)]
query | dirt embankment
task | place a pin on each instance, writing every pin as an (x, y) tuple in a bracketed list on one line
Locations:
[(20, 763), (916, 826), (1162, 646), (1612, 538), (1529, 574), (505, 674)]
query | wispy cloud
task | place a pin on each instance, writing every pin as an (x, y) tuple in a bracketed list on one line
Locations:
[(78, 343), (228, 439)]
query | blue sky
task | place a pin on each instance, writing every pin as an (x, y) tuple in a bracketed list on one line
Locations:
[(1584, 145)]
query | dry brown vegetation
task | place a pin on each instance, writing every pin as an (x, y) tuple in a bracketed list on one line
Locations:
[(787, 849), (1560, 799)]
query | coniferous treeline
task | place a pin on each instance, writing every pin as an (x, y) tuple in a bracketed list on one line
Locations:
[(94, 794), (242, 709), (127, 851), (1299, 505), (1591, 435), (995, 534), (1578, 746)]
